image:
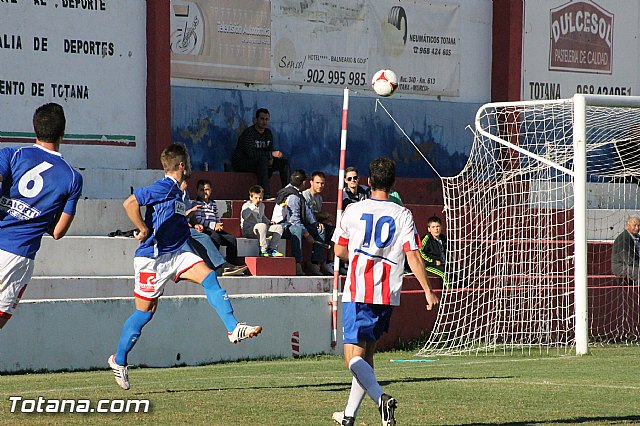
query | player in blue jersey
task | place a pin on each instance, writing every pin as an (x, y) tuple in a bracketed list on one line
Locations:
[(40, 192), (164, 254)]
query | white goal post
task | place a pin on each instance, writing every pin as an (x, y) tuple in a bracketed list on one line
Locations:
[(530, 223)]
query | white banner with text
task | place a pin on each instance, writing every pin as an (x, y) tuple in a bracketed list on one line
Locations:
[(342, 43)]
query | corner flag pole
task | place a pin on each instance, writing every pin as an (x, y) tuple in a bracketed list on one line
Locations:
[(336, 260)]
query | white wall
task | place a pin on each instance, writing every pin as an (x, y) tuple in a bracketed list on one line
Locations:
[(81, 334), (106, 118)]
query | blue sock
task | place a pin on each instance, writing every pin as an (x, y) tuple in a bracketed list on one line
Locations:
[(218, 299), (130, 332)]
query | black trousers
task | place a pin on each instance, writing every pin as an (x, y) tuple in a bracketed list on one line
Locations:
[(223, 238), (263, 168)]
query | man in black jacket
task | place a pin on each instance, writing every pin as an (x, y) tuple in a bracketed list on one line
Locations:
[(625, 259), (255, 153)]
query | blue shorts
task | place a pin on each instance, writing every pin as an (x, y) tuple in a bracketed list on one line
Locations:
[(364, 321)]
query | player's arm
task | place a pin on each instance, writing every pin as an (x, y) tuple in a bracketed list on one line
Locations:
[(417, 267), (59, 227), (132, 207), (62, 221), (341, 251)]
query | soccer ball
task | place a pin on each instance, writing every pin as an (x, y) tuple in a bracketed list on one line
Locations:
[(384, 82)]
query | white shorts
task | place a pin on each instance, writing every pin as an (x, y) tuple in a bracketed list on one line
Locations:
[(153, 274), (15, 274)]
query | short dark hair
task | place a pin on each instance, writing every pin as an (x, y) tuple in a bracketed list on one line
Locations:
[(49, 122), (173, 155), (298, 177), (256, 189), (382, 174), (262, 110), (350, 169), (203, 182), (434, 219), (318, 173)]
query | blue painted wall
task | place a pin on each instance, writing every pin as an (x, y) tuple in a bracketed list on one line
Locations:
[(306, 127)]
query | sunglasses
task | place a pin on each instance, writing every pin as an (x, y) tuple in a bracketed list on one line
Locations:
[(352, 178)]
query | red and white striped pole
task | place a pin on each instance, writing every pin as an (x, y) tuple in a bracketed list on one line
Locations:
[(336, 260)]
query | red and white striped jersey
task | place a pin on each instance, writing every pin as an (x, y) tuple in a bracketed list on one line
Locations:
[(377, 233)]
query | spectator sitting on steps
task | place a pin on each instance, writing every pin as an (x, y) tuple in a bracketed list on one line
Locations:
[(255, 224), (255, 153), (295, 215), (353, 192)]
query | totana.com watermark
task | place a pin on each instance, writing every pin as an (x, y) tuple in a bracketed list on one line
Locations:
[(43, 405)]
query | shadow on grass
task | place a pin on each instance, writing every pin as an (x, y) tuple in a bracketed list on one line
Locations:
[(610, 420), (335, 386)]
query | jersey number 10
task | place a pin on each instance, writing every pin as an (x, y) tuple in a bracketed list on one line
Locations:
[(376, 231)]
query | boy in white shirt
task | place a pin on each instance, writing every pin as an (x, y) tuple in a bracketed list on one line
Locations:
[(255, 224)]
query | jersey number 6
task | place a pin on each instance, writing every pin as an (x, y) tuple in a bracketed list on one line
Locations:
[(25, 187)]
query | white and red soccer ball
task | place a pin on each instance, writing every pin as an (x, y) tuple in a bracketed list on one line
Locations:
[(384, 82)]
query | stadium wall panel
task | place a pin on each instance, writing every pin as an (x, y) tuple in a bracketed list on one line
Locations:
[(80, 334)]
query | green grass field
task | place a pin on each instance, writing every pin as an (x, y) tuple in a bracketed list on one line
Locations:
[(601, 388)]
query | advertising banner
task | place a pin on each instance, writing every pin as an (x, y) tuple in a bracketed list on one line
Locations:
[(342, 43), (580, 47), (223, 40)]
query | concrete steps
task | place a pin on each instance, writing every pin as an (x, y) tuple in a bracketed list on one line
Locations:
[(104, 256), (91, 287), (74, 256), (261, 266)]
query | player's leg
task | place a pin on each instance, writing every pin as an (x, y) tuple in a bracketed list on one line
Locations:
[(360, 362), (355, 358), (132, 328), (10, 294), (131, 331), (149, 286), (15, 273), (219, 300), (364, 324), (352, 348)]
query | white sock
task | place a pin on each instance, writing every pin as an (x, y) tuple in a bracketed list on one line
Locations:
[(355, 399), (365, 376)]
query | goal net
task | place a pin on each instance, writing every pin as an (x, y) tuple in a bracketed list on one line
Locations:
[(516, 219)]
